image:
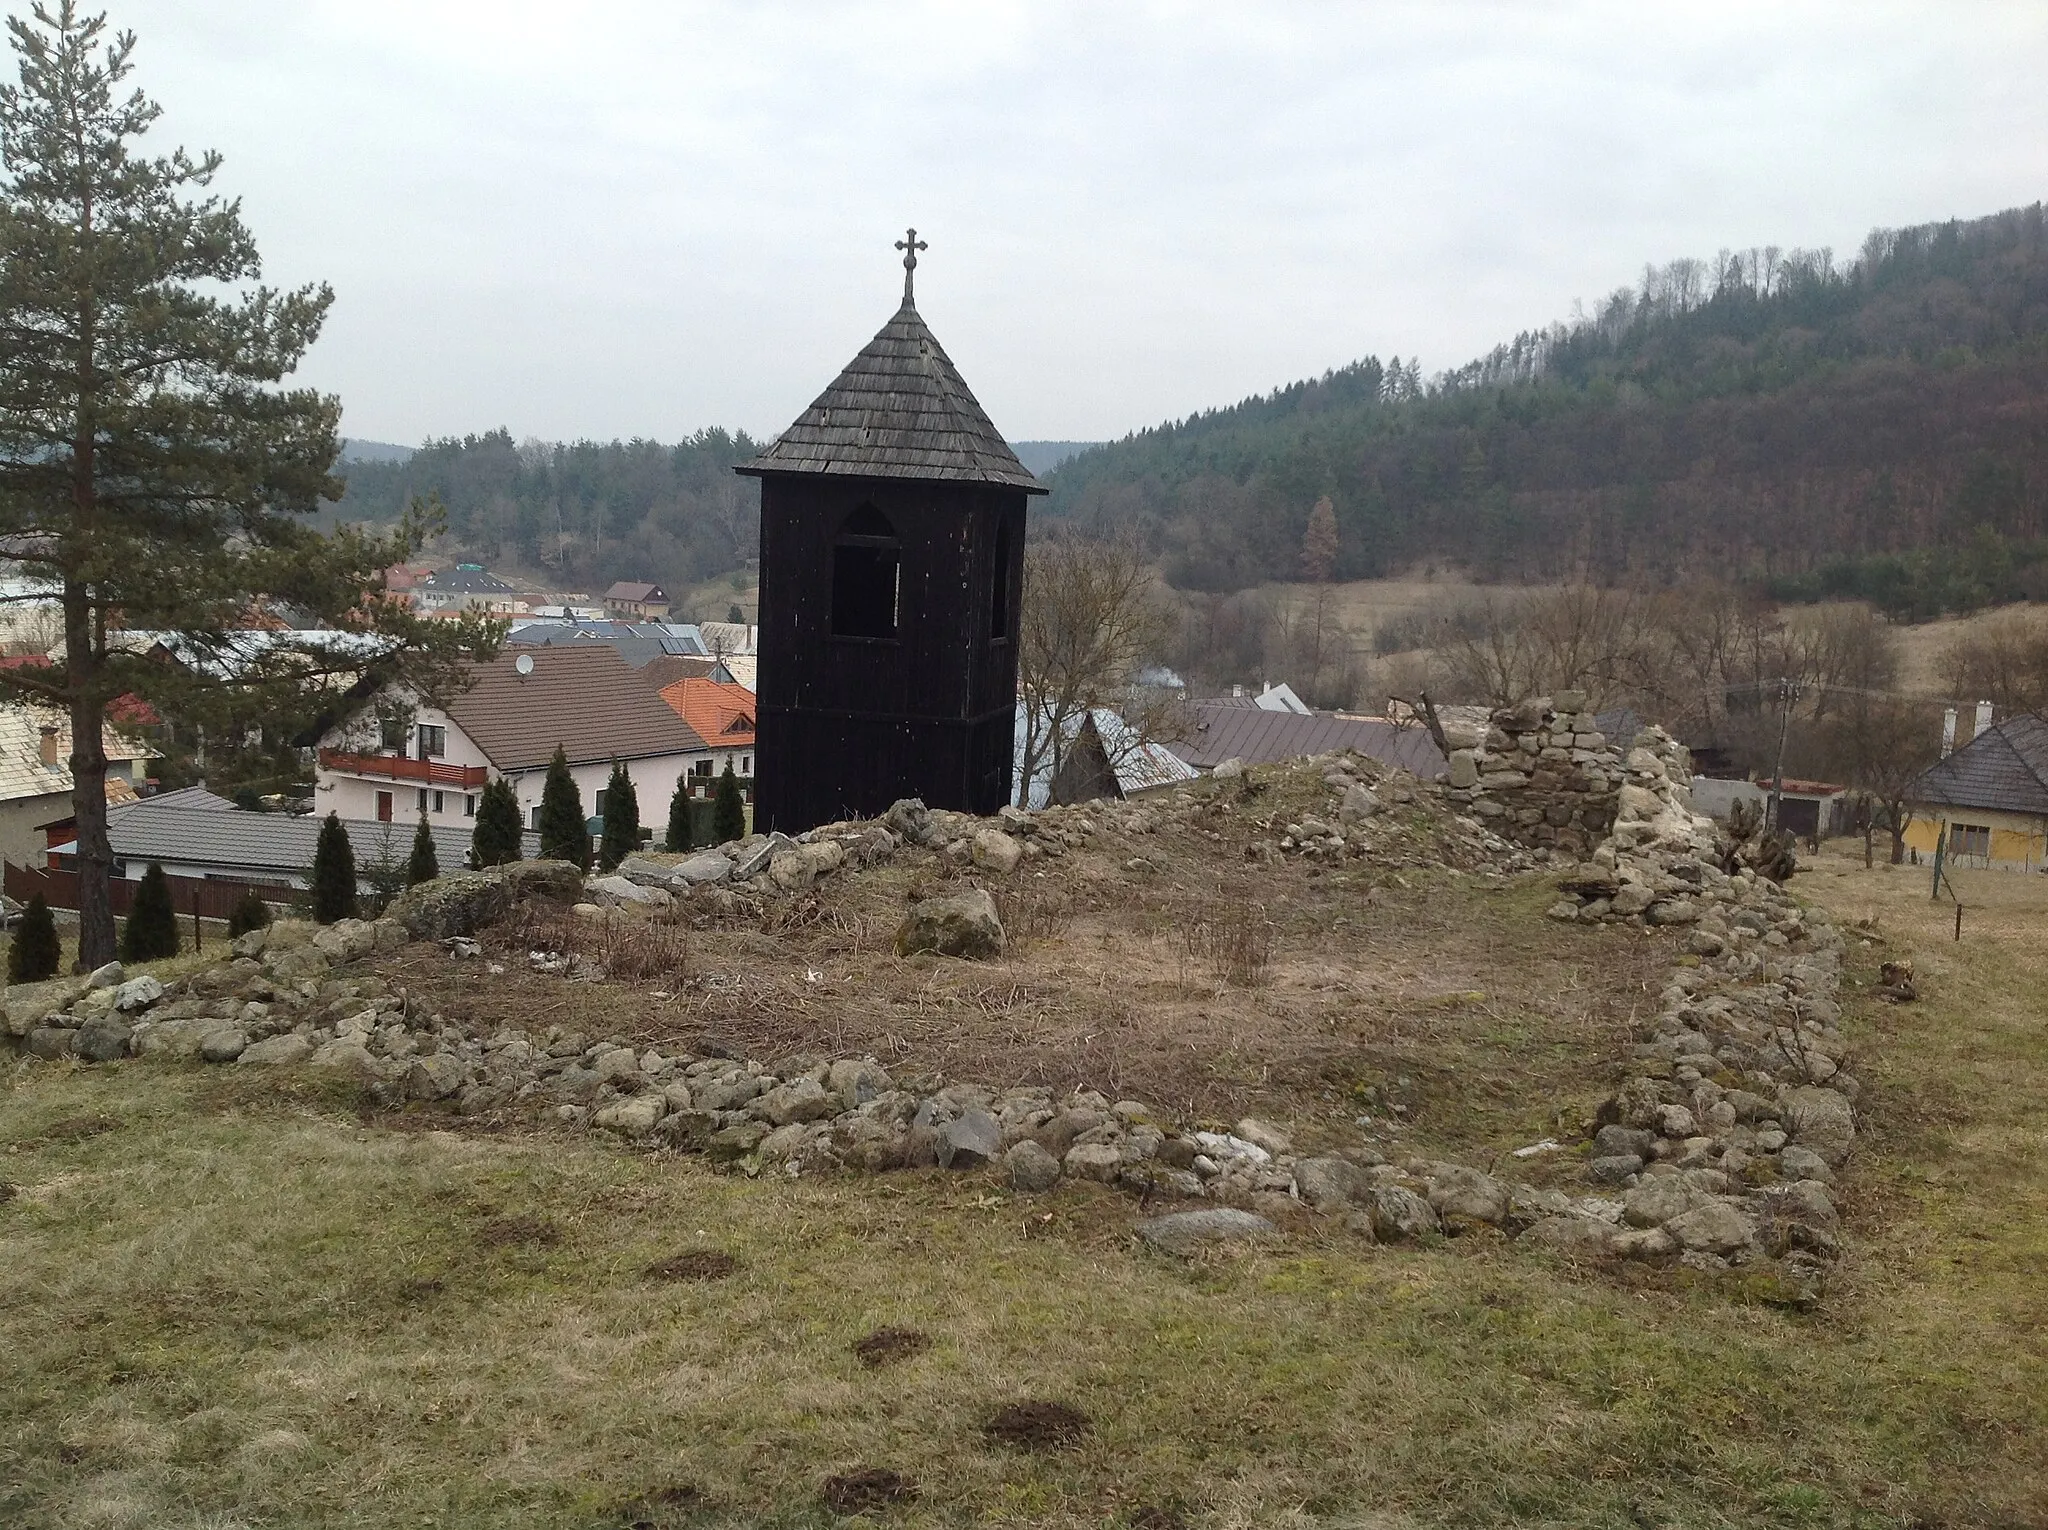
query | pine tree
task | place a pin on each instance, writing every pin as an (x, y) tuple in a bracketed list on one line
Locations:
[(152, 928), (679, 826), (564, 831), (496, 838), (334, 873), (424, 865), (729, 812), (152, 472), (249, 913), (36, 951), (621, 819)]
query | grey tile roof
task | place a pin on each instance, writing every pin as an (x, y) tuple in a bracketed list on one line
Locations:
[(275, 843), (899, 410), (1225, 729), (2003, 769)]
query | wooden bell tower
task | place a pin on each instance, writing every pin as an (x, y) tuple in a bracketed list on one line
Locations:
[(892, 568)]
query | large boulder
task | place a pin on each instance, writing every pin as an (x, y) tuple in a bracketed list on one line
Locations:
[(970, 1141), (1329, 1184), (954, 924), (1399, 1214), (137, 993)]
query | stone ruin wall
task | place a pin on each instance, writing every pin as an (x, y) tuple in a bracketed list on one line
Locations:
[(1544, 775)]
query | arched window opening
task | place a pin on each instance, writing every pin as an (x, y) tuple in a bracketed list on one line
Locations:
[(867, 577), (999, 590)]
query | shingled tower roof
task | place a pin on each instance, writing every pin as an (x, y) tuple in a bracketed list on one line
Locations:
[(899, 410)]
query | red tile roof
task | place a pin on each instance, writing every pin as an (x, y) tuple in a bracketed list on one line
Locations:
[(723, 715)]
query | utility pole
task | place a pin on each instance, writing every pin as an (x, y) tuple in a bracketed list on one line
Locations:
[(1787, 694)]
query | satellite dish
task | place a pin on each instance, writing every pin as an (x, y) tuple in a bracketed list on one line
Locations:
[(524, 664)]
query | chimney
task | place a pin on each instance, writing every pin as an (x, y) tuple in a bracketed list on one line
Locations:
[(1983, 719), (1948, 733), (1237, 690), (49, 747)]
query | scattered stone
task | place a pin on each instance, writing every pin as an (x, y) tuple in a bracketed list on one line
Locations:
[(1032, 1169), (1399, 1215), (970, 1141), (1263, 1135), (109, 976), (277, 1052), (138, 993), (1330, 1184), (634, 1116), (1189, 1232), (1714, 1228), (1821, 1120), (223, 1046), (104, 1039), (996, 851)]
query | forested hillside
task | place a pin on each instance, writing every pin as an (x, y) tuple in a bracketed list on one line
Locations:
[(587, 513), (1877, 426)]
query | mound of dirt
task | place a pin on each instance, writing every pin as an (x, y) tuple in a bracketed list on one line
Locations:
[(694, 1264), (886, 1346), (872, 1487), (1037, 1426)]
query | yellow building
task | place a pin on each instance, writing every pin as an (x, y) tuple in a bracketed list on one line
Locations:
[(1991, 797)]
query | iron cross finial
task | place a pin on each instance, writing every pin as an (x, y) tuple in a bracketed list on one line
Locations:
[(910, 244)]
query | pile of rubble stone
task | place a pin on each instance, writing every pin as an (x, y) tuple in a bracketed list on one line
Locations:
[(1719, 1150)]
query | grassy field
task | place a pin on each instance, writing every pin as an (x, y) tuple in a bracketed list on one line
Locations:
[(233, 1304)]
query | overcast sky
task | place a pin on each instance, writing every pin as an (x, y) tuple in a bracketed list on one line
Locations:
[(646, 217)]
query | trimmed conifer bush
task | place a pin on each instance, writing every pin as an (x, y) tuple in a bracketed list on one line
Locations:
[(334, 873), (423, 865), (729, 816), (679, 835), (152, 928), (36, 951), (496, 838), (249, 913), (564, 831), (621, 819)]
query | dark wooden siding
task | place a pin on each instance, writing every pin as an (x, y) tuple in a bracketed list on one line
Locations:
[(848, 725)]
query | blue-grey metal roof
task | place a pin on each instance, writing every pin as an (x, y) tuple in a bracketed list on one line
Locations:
[(279, 844)]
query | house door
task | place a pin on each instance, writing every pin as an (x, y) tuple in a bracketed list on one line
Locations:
[(383, 807)]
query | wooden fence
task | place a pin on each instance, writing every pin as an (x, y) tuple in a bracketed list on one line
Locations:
[(189, 895)]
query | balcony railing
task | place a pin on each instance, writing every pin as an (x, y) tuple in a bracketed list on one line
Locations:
[(397, 767)]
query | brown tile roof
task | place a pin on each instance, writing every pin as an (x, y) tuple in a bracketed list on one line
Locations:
[(666, 669), (899, 410), (628, 591), (1223, 730), (587, 699)]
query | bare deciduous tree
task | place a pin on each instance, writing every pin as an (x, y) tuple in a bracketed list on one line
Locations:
[(1090, 621)]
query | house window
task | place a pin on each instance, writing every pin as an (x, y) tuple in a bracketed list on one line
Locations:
[(700, 767), (433, 741), (867, 567), (598, 806), (535, 825), (999, 593), (746, 764), (423, 799), (383, 807), (440, 802), (469, 807), (1969, 839), (391, 734)]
